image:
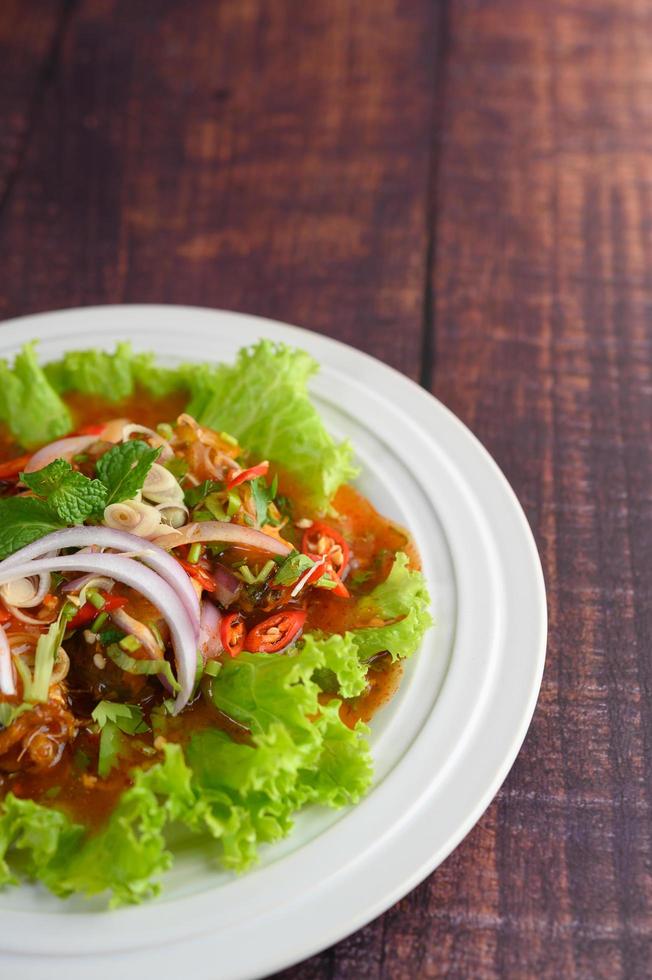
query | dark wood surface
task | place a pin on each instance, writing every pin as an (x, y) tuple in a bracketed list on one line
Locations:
[(463, 189)]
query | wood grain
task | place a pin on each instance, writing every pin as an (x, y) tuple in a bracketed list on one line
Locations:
[(225, 154), (462, 188)]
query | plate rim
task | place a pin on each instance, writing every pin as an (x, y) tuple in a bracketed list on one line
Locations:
[(53, 318)]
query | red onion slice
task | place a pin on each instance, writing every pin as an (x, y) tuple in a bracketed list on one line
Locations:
[(7, 679), (143, 580), (150, 554), (210, 641), (227, 586), (228, 533), (61, 449)]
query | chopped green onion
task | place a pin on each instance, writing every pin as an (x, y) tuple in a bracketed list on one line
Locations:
[(234, 503), (202, 515), (130, 643), (247, 575), (194, 553), (266, 571), (80, 458), (99, 622), (227, 437), (95, 599), (164, 429), (212, 668), (132, 666)]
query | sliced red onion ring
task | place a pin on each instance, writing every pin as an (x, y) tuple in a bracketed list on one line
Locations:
[(150, 554), (227, 586), (61, 449), (228, 533), (143, 580), (7, 679), (77, 584), (210, 641)]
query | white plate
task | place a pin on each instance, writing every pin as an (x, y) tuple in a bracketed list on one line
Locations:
[(442, 747)]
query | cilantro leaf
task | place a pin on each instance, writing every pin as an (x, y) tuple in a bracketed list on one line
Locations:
[(23, 520), (115, 721), (72, 496), (111, 745), (262, 496), (292, 568), (128, 717), (195, 495), (123, 469)]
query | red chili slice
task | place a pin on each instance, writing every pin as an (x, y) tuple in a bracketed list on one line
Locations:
[(12, 467), (276, 632), (325, 568), (250, 474), (232, 633), (320, 539), (89, 612), (200, 575)]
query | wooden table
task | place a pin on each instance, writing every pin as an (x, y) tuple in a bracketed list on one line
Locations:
[(463, 189)]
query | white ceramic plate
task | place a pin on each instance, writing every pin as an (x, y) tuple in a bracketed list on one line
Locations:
[(442, 747)]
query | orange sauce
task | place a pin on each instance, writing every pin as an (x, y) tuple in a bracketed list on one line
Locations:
[(71, 784)]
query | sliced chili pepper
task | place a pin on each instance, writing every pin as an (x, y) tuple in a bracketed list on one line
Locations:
[(89, 612), (199, 574), (320, 539), (259, 470), (276, 632), (325, 567), (11, 469), (232, 633)]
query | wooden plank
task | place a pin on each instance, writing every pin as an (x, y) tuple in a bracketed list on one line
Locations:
[(28, 36), (258, 157), (542, 285)]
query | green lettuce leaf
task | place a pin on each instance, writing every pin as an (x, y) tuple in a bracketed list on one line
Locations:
[(39, 838), (403, 596), (263, 400), (112, 376), (28, 404), (239, 795)]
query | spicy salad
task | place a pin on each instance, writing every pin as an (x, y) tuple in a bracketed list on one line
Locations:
[(198, 614)]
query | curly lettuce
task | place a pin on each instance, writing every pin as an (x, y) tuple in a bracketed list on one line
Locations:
[(239, 795), (29, 405), (262, 399)]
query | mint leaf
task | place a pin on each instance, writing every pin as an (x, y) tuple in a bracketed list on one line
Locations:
[(71, 495), (23, 520), (293, 568), (123, 469)]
